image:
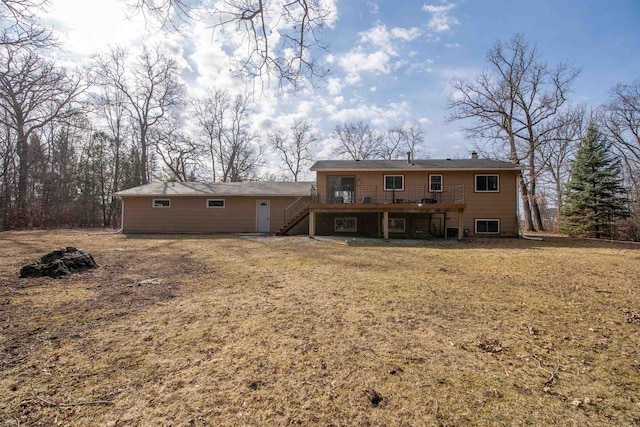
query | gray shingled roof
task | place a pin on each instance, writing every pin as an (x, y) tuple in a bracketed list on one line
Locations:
[(432, 164), (220, 189)]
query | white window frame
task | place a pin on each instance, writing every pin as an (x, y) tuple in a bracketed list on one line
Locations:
[(431, 190), (393, 189), (344, 220), (486, 220), (394, 223), (475, 183), (224, 204), (159, 206)]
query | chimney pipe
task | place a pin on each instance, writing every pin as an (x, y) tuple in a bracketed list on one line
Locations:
[(474, 154), (409, 157)]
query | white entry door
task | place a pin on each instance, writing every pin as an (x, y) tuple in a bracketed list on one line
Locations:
[(264, 223)]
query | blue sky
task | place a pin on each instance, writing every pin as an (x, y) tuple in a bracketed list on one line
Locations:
[(391, 60)]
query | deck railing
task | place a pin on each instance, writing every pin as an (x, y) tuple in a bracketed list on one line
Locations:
[(415, 194), (295, 208)]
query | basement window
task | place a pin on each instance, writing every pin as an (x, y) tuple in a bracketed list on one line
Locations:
[(487, 183), (487, 226), (215, 203), (397, 225), (161, 203), (345, 224)]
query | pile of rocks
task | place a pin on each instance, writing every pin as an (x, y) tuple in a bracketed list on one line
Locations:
[(59, 263)]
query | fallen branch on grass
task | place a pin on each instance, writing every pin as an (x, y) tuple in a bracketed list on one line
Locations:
[(552, 374), (70, 404)]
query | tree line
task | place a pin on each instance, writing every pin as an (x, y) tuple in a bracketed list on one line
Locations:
[(70, 139), (519, 109)]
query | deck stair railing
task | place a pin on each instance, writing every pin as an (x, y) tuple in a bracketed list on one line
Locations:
[(294, 213)]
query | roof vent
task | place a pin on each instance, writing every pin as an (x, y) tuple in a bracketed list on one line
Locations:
[(474, 154)]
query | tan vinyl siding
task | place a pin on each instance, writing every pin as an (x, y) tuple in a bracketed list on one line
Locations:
[(501, 205), (189, 214)]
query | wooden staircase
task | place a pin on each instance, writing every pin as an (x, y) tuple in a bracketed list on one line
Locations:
[(294, 220)]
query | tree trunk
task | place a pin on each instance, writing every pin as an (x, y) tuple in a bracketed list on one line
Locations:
[(23, 177), (526, 206), (144, 175)]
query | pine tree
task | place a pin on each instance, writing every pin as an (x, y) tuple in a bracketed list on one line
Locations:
[(594, 196)]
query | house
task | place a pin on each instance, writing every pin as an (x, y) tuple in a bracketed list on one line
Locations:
[(415, 198), (224, 207), (379, 198)]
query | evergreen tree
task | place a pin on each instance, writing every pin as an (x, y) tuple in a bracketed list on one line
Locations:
[(594, 196)]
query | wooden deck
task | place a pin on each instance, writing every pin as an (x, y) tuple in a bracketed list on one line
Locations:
[(388, 207)]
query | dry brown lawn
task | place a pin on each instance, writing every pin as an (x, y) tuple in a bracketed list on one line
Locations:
[(293, 331)]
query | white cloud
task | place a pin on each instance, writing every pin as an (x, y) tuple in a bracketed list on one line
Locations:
[(441, 19), (406, 34), (378, 116), (376, 52), (357, 62), (86, 27), (374, 9), (334, 86)]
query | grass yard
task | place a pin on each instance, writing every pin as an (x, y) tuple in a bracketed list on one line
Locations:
[(292, 331)]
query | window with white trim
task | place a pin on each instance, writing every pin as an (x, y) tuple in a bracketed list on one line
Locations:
[(345, 224), (393, 182), (435, 183), (487, 183), (215, 203), (487, 226), (161, 203), (397, 225)]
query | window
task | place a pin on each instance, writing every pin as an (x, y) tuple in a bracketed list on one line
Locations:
[(396, 225), (345, 224), (215, 203), (487, 226), (435, 183), (487, 183), (394, 182), (341, 189), (161, 203)]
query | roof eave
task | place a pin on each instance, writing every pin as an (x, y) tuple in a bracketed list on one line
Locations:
[(438, 169)]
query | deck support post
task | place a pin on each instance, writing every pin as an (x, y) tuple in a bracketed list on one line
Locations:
[(385, 225), (312, 223), (460, 231)]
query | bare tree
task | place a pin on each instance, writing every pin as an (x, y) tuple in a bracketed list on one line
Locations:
[(294, 148), (402, 139), (19, 26), (358, 141), (622, 123), (109, 100), (555, 156), (33, 93), (179, 154), (223, 124), (150, 91), (514, 104), (279, 38)]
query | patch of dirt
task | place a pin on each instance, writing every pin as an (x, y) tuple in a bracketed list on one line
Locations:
[(490, 346), (632, 316)]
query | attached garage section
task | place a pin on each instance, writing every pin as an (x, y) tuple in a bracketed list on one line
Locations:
[(214, 208)]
